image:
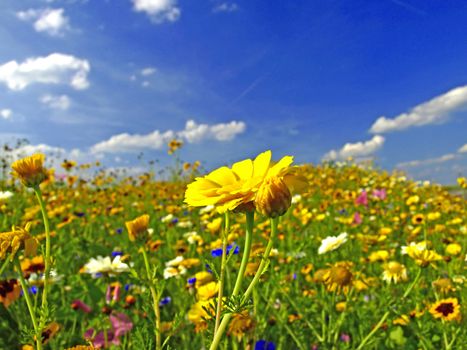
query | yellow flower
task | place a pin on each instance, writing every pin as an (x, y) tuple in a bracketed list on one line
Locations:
[(236, 187), (338, 278), (443, 285), (174, 145), (137, 227), (11, 242), (203, 277), (9, 291), (273, 198), (412, 200), (402, 321), (446, 309), (215, 225), (341, 306), (49, 332), (418, 219), (424, 257), (394, 272), (379, 255), (201, 311), (68, 164), (453, 249), (240, 324), (30, 170)]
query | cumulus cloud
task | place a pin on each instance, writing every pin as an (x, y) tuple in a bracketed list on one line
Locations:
[(50, 21), (225, 7), (61, 102), (148, 71), (158, 10), (463, 149), (192, 133), (356, 150), (55, 68), (5, 113), (434, 111)]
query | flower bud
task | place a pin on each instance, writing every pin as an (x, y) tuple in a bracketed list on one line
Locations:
[(273, 198)]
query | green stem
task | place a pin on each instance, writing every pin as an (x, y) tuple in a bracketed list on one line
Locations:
[(155, 299), (6, 262), (25, 289), (47, 258), (385, 316), (250, 219), (246, 295), (264, 260), (222, 276)]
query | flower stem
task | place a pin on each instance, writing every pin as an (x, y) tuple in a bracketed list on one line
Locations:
[(25, 289), (222, 276), (385, 316), (264, 259), (250, 219), (259, 272), (47, 259), (155, 299)]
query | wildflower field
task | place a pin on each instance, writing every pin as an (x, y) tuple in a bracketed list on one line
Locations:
[(259, 254)]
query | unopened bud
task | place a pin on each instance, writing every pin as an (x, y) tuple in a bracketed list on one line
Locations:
[(273, 198)]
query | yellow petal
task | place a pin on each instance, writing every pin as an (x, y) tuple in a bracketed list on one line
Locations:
[(280, 165), (261, 164), (243, 169), (222, 176)]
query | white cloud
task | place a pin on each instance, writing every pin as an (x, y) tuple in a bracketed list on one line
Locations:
[(61, 102), (158, 10), (430, 161), (226, 7), (5, 113), (192, 133), (463, 149), (434, 111), (50, 21), (356, 150), (55, 68), (148, 71)]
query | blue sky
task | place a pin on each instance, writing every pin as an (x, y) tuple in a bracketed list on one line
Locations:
[(110, 79)]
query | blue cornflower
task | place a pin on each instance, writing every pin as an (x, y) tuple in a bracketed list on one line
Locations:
[(119, 230), (265, 345), (192, 280), (117, 253), (165, 301), (218, 252)]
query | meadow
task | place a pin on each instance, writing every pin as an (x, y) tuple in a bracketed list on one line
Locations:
[(257, 255)]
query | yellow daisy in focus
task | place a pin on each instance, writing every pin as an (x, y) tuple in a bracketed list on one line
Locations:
[(446, 309), (30, 170), (236, 187)]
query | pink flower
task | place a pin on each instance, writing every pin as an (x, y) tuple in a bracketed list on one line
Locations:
[(78, 304), (380, 194), (357, 218), (121, 324), (98, 340), (362, 199)]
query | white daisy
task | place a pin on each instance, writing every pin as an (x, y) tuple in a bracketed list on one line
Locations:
[(332, 243)]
